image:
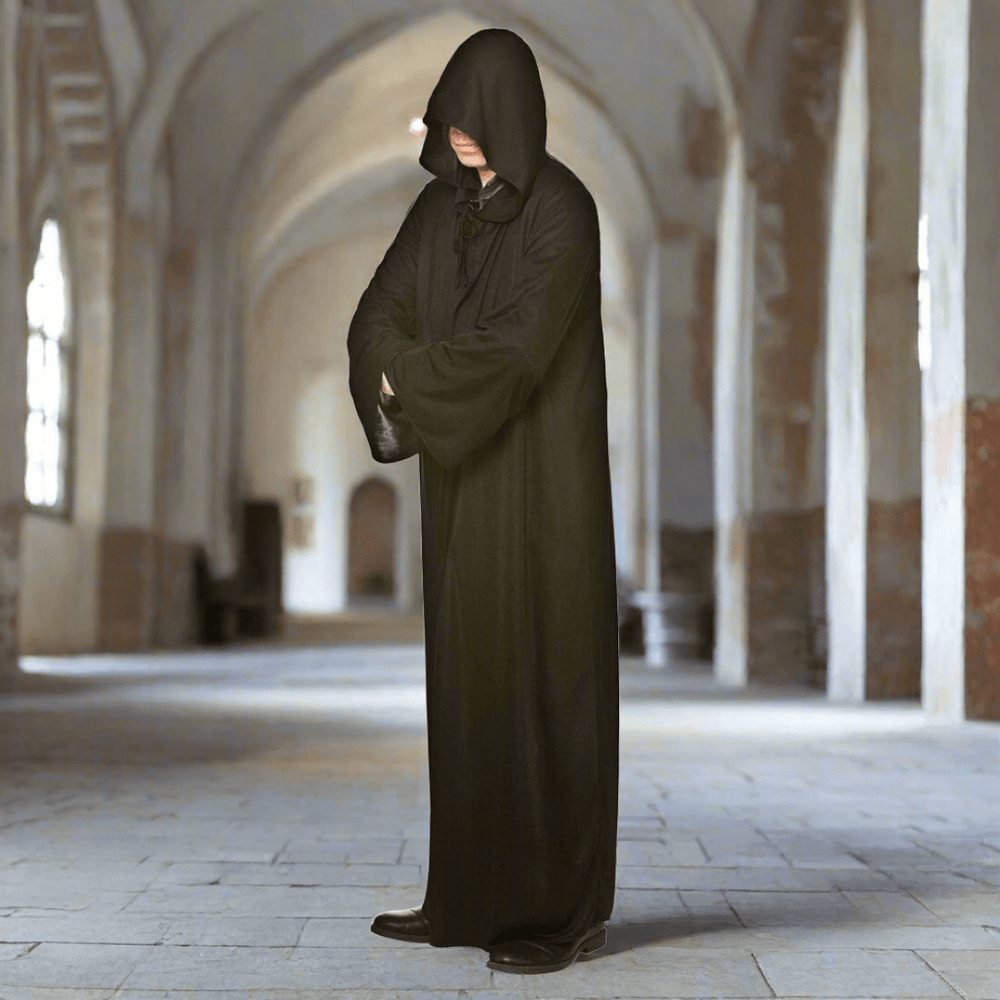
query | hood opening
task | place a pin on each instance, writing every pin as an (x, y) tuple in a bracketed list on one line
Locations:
[(492, 91)]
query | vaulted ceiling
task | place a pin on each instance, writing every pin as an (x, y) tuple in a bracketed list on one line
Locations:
[(221, 77)]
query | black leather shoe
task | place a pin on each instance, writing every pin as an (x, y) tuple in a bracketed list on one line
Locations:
[(533, 957), (403, 925)]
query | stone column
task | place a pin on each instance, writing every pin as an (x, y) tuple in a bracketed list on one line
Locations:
[(13, 355), (650, 599), (960, 360), (732, 421), (892, 375), (846, 449), (942, 351), (127, 595), (982, 367), (176, 607), (793, 119)]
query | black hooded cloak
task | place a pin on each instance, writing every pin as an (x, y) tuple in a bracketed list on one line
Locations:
[(486, 318)]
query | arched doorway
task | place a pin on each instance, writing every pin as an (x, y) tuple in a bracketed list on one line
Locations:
[(371, 547)]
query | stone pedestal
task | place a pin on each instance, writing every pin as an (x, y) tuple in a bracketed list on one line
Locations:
[(663, 624)]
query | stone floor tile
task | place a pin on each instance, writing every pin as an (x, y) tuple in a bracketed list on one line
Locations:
[(973, 974), (279, 901), (353, 993), (633, 905), (984, 875), (856, 972), (671, 851), (715, 933), (415, 851), (751, 879), (892, 908), (46, 895), (922, 880), (792, 909), (10, 951), (364, 851), (229, 931), (244, 969), (85, 928), (962, 850), (373, 875), (84, 875), (813, 852), (660, 974), (288, 874), (695, 899), (84, 966), (962, 908), (348, 932), (59, 993)]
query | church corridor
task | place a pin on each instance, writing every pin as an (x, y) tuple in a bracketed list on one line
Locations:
[(214, 583), (186, 826)]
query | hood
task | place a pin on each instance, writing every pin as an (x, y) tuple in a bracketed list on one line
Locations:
[(491, 90)]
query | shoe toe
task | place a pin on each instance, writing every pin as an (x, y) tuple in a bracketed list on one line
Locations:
[(407, 925)]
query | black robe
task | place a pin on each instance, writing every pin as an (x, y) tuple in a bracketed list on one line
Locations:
[(487, 324)]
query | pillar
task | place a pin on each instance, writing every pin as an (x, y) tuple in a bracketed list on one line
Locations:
[(13, 357), (892, 374), (942, 351), (846, 446), (732, 388), (795, 67), (651, 598), (981, 446), (128, 557), (960, 361)]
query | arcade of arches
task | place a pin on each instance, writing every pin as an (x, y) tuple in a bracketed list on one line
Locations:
[(799, 214)]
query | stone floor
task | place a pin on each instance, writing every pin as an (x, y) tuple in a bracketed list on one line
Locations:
[(225, 825)]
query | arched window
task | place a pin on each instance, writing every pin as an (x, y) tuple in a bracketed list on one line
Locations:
[(47, 430)]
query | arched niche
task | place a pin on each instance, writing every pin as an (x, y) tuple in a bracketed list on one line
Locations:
[(371, 542)]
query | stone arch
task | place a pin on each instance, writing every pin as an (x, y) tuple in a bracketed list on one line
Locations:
[(373, 511)]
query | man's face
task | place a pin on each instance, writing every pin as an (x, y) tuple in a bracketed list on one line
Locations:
[(466, 148)]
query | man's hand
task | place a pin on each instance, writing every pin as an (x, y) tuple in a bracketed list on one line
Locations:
[(386, 388)]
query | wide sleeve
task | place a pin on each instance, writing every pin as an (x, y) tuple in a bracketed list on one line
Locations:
[(384, 323), (458, 393)]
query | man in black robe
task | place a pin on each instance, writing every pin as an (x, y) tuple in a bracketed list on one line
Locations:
[(478, 345)]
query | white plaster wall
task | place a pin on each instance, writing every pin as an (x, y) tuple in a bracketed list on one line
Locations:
[(847, 437)]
